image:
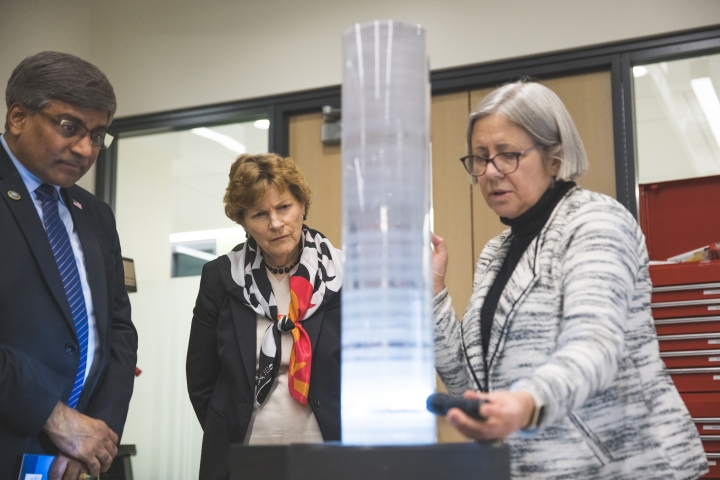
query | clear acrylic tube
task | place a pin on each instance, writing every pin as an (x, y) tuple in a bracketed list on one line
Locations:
[(387, 344)]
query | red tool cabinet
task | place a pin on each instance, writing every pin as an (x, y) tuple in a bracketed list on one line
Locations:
[(688, 328), (677, 217)]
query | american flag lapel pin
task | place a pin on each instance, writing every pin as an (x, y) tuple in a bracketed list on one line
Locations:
[(77, 204)]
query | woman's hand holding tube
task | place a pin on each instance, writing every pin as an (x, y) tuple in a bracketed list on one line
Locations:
[(504, 412), (439, 263)]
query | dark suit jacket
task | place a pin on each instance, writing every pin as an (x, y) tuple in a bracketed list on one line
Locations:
[(221, 366), (39, 351)]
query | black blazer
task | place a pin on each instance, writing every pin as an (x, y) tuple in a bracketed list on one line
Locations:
[(38, 346), (221, 366)]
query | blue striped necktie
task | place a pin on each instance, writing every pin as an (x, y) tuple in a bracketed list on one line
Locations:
[(65, 259)]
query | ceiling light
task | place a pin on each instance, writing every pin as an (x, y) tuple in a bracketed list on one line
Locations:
[(708, 99), (262, 124), (224, 140), (639, 71)]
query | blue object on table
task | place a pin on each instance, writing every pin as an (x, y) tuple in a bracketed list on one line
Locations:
[(35, 467)]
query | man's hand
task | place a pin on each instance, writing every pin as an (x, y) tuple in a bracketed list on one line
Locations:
[(66, 468), (83, 438)]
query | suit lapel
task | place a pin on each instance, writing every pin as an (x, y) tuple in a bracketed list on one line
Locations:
[(519, 284), (490, 262), (245, 320), (29, 222)]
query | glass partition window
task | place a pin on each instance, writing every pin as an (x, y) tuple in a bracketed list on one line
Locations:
[(188, 258), (171, 221), (677, 114)]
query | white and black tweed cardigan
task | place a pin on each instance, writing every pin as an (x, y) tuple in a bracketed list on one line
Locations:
[(573, 327)]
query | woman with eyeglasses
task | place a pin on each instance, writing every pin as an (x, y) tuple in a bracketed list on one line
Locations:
[(558, 339)]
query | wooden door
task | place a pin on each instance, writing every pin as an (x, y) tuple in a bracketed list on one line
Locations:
[(322, 167)]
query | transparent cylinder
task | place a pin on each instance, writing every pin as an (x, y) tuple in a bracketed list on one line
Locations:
[(387, 343)]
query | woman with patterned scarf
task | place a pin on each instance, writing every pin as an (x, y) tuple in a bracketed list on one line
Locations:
[(263, 363)]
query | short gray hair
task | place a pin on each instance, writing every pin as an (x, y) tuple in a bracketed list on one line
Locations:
[(49, 76), (537, 110)]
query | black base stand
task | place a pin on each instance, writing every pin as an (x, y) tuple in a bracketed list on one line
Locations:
[(448, 461), (121, 468)]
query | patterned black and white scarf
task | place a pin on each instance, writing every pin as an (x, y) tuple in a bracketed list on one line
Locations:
[(318, 277)]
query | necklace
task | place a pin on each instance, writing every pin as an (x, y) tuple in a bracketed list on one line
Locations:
[(276, 271), (286, 269)]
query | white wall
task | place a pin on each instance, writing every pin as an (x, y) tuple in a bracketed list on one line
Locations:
[(162, 55), (31, 26)]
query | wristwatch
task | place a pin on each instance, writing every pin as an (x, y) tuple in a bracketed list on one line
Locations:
[(536, 419)]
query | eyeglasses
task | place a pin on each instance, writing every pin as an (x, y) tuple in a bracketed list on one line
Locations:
[(505, 162), (72, 130)]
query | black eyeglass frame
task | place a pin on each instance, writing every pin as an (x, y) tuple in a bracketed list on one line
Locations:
[(487, 160), (105, 140)]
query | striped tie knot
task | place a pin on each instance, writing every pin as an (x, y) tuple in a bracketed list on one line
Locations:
[(46, 192)]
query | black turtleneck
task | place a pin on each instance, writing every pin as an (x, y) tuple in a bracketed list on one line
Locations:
[(523, 229)]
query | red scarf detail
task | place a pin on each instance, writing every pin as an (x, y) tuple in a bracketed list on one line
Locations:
[(301, 354)]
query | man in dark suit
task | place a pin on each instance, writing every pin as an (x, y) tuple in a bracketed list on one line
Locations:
[(67, 344)]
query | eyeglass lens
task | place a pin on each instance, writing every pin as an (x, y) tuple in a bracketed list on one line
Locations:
[(505, 162), (70, 129)]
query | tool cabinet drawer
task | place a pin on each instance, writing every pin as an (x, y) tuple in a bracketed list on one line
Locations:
[(702, 405), (688, 308), (691, 358), (714, 464), (682, 325), (679, 293), (696, 379), (690, 341)]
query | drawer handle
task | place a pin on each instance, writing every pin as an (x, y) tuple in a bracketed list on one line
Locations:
[(676, 321), (692, 353), (686, 303), (712, 337), (675, 371), (692, 286)]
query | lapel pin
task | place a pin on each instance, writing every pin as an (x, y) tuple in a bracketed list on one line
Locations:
[(14, 195), (77, 204)]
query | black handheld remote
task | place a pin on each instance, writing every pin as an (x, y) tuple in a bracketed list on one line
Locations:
[(440, 403)]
